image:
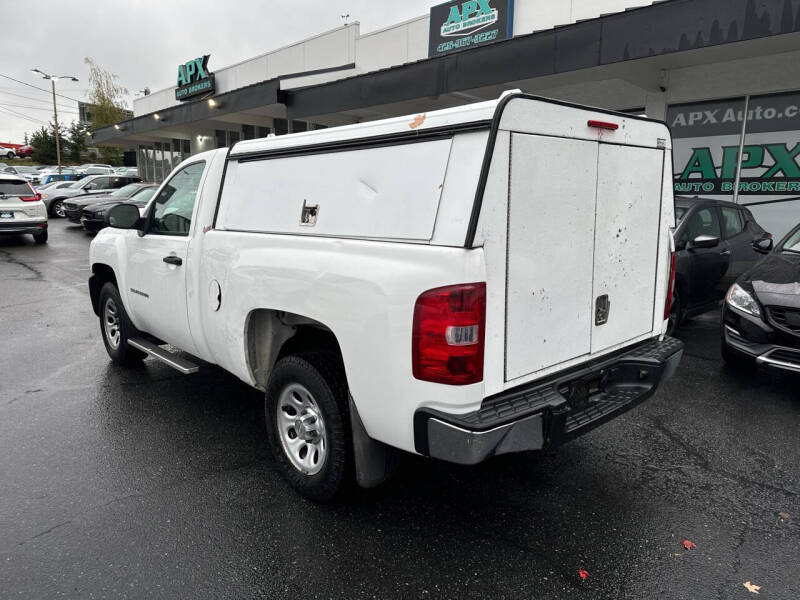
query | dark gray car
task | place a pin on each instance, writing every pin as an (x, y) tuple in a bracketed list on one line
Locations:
[(716, 242)]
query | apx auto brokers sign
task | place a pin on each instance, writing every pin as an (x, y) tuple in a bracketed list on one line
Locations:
[(465, 24), (194, 79)]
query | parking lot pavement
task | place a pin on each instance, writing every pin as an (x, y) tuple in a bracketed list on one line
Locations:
[(146, 483)]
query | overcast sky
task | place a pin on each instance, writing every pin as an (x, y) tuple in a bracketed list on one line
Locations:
[(143, 42)]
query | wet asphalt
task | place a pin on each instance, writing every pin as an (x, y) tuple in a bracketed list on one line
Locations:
[(146, 483)]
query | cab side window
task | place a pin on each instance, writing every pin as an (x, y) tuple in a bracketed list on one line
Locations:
[(732, 221), (174, 204), (703, 222)]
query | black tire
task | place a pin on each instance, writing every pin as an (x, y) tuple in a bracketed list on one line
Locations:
[(674, 313), (40, 238), (57, 209), (120, 351), (322, 375)]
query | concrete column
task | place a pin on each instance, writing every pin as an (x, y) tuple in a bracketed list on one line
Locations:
[(656, 106), (202, 141)]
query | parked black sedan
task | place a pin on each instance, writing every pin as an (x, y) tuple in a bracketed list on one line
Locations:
[(761, 314), (73, 207), (716, 242), (93, 217)]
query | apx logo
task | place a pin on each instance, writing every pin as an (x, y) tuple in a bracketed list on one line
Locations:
[(472, 15), (192, 71)]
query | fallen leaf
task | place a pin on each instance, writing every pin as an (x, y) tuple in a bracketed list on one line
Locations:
[(688, 544), (583, 574), (783, 515), (418, 120), (751, 588)]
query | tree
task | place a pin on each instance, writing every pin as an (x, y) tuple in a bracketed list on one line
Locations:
[(25, 139), (76, 145), (44, 144), (107, 98)]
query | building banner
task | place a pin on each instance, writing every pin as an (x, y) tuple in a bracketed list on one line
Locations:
[(706, 140), (465, 24)]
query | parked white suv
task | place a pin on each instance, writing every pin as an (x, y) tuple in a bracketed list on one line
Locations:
[(21, 208), (475, 281)]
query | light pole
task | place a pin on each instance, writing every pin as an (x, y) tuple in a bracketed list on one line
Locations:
[(53, 79)]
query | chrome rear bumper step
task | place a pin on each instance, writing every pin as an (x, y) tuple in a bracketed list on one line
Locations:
[(168, 358)]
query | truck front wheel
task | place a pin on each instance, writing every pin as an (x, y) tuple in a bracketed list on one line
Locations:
[(308, 424), (116, 328)]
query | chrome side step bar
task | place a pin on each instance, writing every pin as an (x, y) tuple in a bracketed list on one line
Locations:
[(168, 358)]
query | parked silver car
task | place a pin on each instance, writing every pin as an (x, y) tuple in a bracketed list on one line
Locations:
[(93, 184)]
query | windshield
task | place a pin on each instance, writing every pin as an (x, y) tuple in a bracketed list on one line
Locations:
[(27, 169), (126, 191), (15, 188), (792, 242), (143, 197), (679, 212)]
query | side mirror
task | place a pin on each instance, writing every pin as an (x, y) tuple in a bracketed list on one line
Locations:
[(703, 241), (763, 245), (124, 216)]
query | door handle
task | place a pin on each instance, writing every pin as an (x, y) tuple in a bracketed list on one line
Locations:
[(725, 253), (173, 260)]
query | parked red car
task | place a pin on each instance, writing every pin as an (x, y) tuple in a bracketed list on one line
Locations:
[(24, 151)]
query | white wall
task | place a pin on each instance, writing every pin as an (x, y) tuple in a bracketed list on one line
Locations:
[(330, 49), (396, 45)]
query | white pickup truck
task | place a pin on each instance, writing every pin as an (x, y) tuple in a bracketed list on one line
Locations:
[(475, 281)]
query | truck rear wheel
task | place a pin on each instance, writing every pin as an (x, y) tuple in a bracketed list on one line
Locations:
[(116, 328), (308, 425)]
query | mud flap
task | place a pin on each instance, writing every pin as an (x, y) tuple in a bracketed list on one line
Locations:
[(375, 461)]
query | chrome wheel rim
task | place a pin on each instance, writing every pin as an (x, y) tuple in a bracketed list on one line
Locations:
[(59, 209), (301, 429), (111, 323)]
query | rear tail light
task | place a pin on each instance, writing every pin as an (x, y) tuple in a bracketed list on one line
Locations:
[(448, 334), (33, 197), (671, 284)]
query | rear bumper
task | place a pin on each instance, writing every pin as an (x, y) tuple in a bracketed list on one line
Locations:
[(22, 226), (546, 414)]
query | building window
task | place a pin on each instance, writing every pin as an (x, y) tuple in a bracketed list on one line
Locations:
[(765, 175), (219, 134), (299, 126), (281, 126), (233, 137), (248, 132), (149, 164), (263, 132)]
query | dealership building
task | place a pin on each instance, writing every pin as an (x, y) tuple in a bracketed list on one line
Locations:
[(723, 74)]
